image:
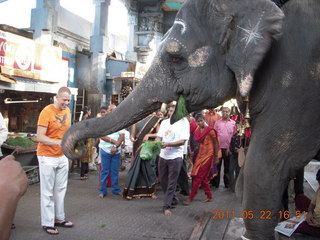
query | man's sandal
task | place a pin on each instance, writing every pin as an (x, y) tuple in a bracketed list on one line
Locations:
[(65, 224), (50, 230)]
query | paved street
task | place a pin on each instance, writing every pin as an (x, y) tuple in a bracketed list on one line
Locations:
[(114, 217)]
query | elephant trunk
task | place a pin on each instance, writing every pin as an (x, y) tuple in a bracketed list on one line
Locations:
[(135, 107)]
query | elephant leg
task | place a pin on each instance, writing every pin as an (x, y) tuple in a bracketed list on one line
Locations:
[(239, 185), (263, 186)]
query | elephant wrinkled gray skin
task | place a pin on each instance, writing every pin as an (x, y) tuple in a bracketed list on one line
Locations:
[(217, 48)]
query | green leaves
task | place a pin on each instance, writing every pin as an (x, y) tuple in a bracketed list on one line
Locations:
[(181, 110)]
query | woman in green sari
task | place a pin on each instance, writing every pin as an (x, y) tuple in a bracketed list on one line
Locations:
[(141, 176)]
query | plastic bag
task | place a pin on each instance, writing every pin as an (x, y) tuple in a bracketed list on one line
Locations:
[(150, 149)]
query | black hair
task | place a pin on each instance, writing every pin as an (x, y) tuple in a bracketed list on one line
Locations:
[(103, 108), (198, 116), (318, 175), (86, 109)]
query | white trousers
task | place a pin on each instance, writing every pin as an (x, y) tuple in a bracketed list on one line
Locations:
[(53, 187)]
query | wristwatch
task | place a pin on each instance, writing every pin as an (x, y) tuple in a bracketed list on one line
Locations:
[(115, 146)]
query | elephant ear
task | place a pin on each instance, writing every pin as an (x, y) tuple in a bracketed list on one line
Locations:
[(252, 26)]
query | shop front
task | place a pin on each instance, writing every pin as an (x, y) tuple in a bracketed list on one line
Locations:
[(30, 76), (122, 87)]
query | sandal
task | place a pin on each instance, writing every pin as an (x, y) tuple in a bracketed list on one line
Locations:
[(50, 230), (65, 224)]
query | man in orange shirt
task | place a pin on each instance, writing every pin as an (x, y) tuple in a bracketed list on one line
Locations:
[(211, 116), (53, 122)]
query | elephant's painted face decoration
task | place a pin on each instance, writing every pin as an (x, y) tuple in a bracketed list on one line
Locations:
[(201, 63)]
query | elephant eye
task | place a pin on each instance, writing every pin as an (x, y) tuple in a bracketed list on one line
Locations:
[(176, 59), (177, 62)]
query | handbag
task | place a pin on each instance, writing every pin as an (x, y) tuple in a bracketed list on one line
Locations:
[(241, 157)]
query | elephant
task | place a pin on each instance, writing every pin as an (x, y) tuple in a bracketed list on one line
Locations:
[(220, 49)]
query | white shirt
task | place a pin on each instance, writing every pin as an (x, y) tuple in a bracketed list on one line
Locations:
[(3, 132), (107, 146), (172, 133)]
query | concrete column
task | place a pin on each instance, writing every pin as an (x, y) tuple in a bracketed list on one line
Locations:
[(44, 20), (99, 49), (98, 40), (131, 55)]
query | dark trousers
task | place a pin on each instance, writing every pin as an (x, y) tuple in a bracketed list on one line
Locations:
[(183, 180), (298, 188), (168, 175), (234, 169), (226, 162), (84, 169), (302, 204)]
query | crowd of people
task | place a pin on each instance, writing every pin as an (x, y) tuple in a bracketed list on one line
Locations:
[(190, 152)]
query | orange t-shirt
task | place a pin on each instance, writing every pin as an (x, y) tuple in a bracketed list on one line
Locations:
[(57, 122), (212, 118)]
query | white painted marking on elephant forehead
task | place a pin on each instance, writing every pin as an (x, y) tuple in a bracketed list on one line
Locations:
[(252, 34), (245, 85), (199, 57), (182, 23), (180, 43), (173, 46)]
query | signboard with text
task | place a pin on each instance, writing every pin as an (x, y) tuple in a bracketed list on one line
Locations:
[(26, 58)]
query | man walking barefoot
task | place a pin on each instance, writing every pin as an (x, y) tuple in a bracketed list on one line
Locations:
[(173, 138)]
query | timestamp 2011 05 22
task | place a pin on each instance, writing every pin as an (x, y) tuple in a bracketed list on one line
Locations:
[(248, 214)]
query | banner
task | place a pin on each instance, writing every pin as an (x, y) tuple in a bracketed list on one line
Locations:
[(32, 60)]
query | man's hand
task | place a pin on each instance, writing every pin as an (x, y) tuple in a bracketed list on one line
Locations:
[(309, 219), (146, 138), (13, 184), (228, 151), (113, 150), (165, 144), (13, 178)]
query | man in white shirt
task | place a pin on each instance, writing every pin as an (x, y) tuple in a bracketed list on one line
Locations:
[(3, 133), (173, 138)]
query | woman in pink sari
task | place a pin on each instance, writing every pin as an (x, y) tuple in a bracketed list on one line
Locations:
[(207, 156)]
